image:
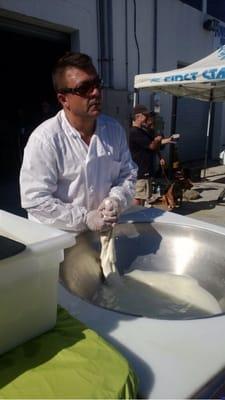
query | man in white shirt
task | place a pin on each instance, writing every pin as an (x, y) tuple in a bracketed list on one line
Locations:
[(77, 172), (77, 159)]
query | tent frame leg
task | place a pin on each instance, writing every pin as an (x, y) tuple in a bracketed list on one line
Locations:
[(207, 135)]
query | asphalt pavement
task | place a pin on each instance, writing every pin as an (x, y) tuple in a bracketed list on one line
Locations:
[(210, 206)]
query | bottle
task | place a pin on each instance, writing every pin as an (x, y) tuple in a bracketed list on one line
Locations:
[(153, 187)]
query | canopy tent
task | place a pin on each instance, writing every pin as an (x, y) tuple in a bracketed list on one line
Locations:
[(203, 80)]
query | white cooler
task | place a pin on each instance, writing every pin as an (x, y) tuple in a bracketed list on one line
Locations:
[(28, 280)]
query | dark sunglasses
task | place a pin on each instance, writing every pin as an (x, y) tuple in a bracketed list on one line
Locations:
[(85, 88)]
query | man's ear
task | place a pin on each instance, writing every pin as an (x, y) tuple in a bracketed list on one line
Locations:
[(62, 99)]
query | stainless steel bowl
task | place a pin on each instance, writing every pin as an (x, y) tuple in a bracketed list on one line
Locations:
[(169, 248)]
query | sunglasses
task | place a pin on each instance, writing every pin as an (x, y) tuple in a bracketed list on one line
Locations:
[(85, 88)]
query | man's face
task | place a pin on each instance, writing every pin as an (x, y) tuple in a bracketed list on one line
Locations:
[(86, 102), (144, 120), (141, 119)]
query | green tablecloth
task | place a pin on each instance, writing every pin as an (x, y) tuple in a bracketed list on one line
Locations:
[(70, 361)]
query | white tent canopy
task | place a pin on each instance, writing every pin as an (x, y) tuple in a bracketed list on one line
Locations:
[(204, 80)]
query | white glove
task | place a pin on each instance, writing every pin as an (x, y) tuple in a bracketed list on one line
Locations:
[(96, 222), (110, 208)]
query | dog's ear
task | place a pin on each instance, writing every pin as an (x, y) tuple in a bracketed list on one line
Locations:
[(179, 176)]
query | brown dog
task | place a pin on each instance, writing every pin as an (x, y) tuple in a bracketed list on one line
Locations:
[(173, 195)]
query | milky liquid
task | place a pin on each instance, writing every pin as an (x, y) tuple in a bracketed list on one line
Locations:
[(157, 295)]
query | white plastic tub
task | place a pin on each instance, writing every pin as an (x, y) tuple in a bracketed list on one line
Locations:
[(28, 280)]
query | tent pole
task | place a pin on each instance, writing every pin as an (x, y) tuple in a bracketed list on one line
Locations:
[(135, 97), (172, 149), (207, 135)]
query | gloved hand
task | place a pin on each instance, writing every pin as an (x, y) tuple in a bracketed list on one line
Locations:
[(96, 222), (110, 208)]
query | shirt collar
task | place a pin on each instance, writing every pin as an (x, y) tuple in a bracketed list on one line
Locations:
[(74, 132)]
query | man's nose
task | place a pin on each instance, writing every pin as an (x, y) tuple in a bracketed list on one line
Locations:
[(96, 91)]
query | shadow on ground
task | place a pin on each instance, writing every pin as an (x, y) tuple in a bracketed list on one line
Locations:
[(205, 189), (193, 207), (220, 180)]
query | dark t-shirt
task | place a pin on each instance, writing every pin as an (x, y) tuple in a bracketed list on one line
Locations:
[(139, 141)]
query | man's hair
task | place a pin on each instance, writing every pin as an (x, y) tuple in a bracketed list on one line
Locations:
[(139, 109), (70, 60)]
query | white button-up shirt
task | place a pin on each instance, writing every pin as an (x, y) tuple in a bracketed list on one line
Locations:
[(62, 178)]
